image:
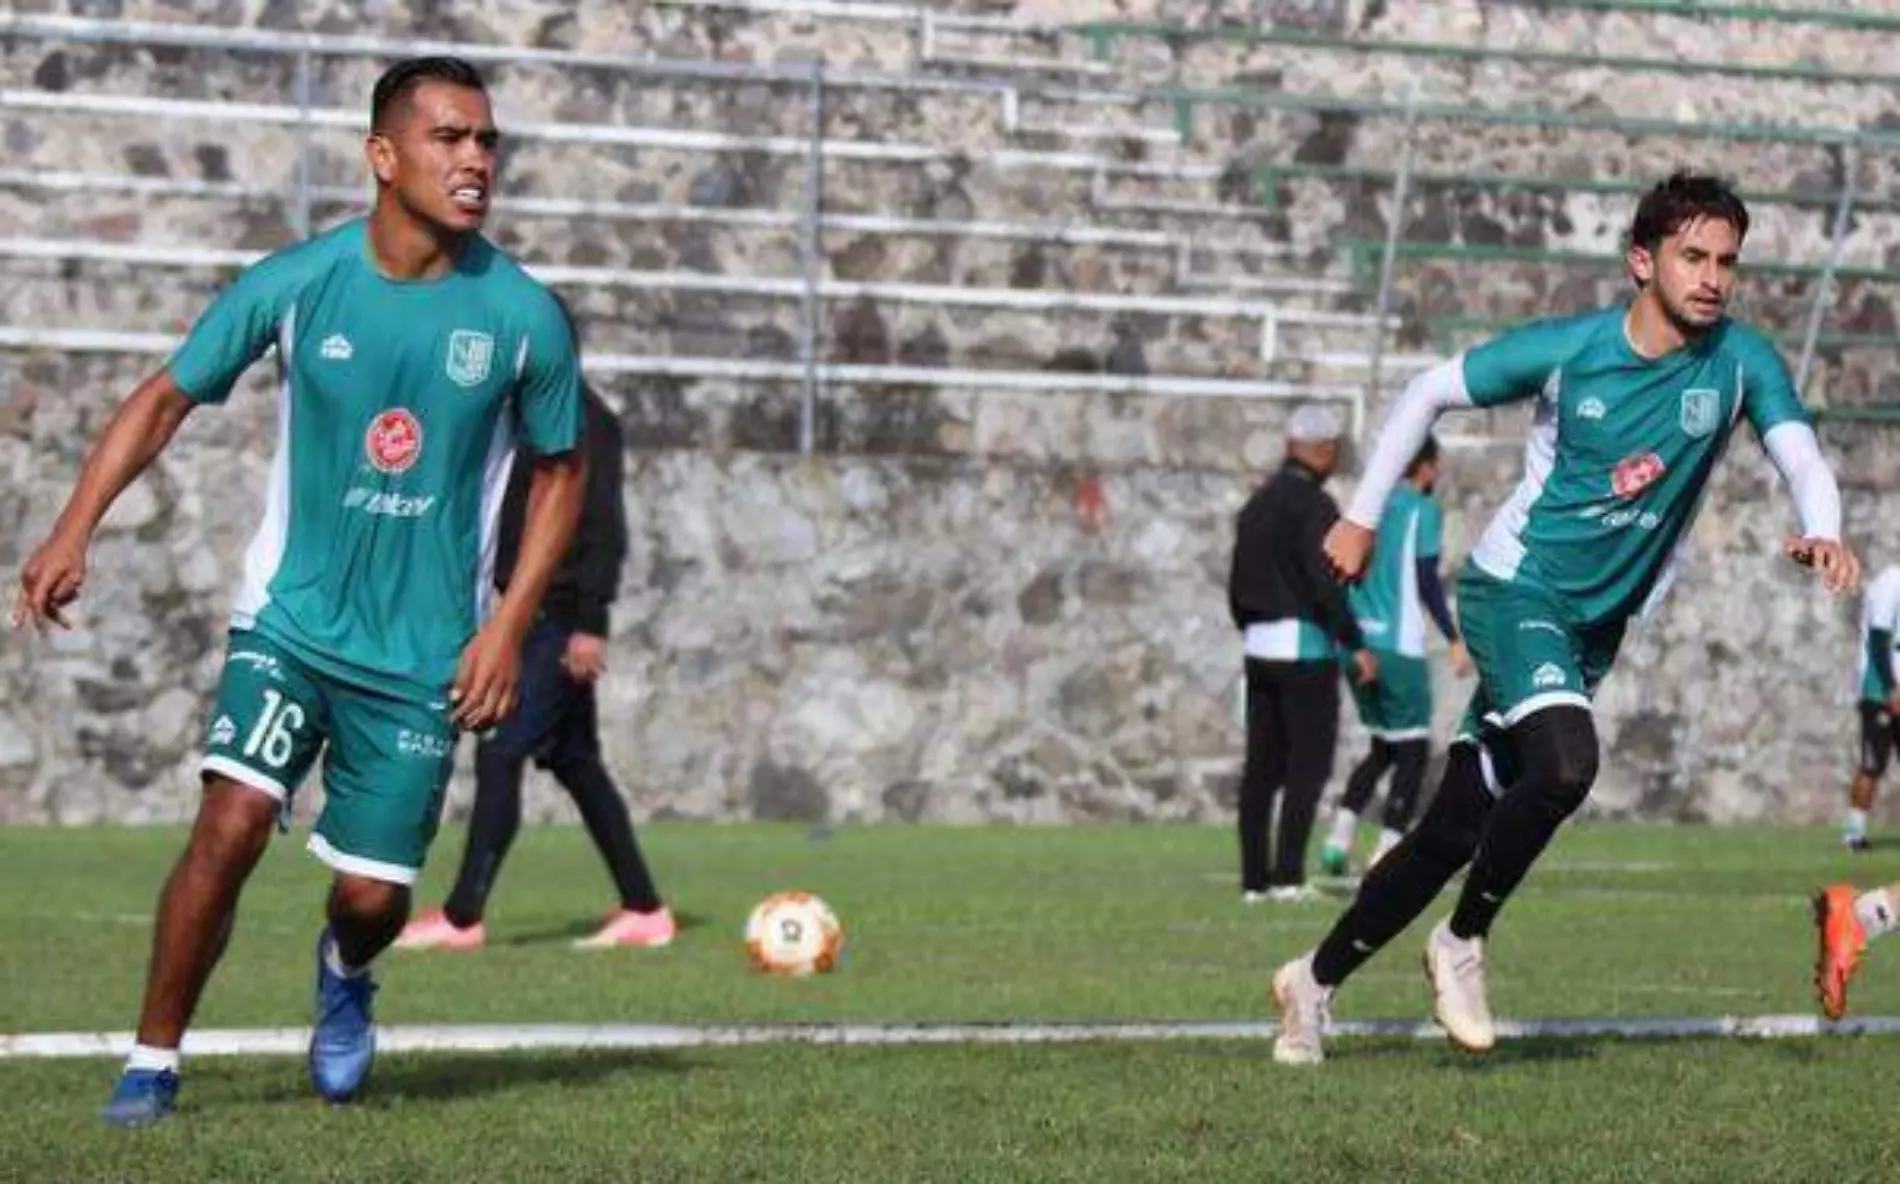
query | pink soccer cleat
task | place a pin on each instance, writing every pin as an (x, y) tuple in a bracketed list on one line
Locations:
[(434, 931), (629, 928)]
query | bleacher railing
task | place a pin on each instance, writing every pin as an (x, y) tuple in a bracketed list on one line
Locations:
[(810, 288)]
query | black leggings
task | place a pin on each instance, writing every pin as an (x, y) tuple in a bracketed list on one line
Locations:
[(1292, 724), (1407, 760), (1556, 751)]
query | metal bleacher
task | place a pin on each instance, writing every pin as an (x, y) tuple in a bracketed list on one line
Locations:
[(1009, 198)]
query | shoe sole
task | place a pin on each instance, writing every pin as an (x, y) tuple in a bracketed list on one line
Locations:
[(1820, 960), (1451, 1034)]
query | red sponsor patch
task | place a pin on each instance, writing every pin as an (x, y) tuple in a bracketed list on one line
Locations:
[(394, 441), (1636, 473)]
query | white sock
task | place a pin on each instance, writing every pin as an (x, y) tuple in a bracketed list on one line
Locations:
[(1388, 839), (334, 960), (1856, 827), (145, 1056), (1345, 829), (1876, 912), (1451, 941)]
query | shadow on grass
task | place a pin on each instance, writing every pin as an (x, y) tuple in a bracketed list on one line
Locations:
[(410, 1077)]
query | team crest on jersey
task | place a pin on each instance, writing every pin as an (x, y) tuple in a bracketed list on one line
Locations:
[(1633, 474), (1701, 411), (393, 442), (471, 355)]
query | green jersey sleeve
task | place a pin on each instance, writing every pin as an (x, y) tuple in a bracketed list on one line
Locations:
[(240, 325), (1431, 530), (1515, 365), (1768, 394), (548, 398)]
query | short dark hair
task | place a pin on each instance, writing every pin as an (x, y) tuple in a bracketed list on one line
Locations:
[(1427, 454), (405, 77), (1680, 199)]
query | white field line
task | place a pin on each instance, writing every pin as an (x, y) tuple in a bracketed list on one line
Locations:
[(578, 1037)]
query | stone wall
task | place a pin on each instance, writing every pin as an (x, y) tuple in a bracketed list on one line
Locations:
[(969, 605)]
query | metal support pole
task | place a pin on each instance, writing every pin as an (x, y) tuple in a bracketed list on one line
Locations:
[(1382, 303), (811, 231), (300, 214), (1824, 289)]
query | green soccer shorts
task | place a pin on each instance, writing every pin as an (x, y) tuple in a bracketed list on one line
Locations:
[(386, 760), (1399, 705), (1528, 651)]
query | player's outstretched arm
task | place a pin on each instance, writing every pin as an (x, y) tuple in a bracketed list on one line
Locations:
[(1817, 501), (1348, 544), (141, 428), (484, 688)]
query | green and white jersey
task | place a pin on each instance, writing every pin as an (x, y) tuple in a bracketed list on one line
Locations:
[(1387, 603), (1879, 613), (399, 409), (1620, 451)]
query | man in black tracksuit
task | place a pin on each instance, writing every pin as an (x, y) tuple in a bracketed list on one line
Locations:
[(1294, 620), (554, 721)]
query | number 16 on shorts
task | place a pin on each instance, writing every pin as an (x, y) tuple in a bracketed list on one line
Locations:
[(265, 729)]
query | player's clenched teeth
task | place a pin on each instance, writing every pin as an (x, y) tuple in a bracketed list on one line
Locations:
[(470, 197)]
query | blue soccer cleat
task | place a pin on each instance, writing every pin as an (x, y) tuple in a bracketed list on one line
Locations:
[(142, 1097), (343, 1042)]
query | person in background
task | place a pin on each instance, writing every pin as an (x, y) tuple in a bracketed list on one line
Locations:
[(1294, 621)]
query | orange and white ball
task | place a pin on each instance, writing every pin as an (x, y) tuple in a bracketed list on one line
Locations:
[(793, 933)]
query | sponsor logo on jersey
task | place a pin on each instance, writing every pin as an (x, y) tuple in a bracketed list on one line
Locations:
[(1701, 411), (1547, 676), (471, 355), (222, 732), (265, 664), (1539, 625), (393, 442), (1633, 474), (388, 504), (410, 742), (1592, 408), (337, 348)]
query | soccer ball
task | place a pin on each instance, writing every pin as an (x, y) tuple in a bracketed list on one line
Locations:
[(793, 933)]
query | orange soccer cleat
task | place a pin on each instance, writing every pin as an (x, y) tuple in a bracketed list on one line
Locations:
[(1842, 940)]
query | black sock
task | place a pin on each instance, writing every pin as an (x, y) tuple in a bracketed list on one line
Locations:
[(492, 823), (1557, 752), (1412, 874), (605, 815), (1365, 777)]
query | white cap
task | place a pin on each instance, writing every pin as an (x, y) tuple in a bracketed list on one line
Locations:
[(1312, 423)]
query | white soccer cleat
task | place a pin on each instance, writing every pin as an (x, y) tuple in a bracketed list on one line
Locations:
[(1460, 999), (1306, 1010)]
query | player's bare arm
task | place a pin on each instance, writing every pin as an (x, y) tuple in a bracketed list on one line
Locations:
[(485, 681), (138, 432)]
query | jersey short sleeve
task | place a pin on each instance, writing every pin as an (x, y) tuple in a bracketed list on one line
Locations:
[(1515, 365), (548, 398), (1768, 394), (239, 325), (1431, 529)]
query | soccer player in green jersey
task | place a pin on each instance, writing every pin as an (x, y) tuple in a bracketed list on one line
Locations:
[(412, 357), (1401, 588), (1634, 405), (1879, 700)]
